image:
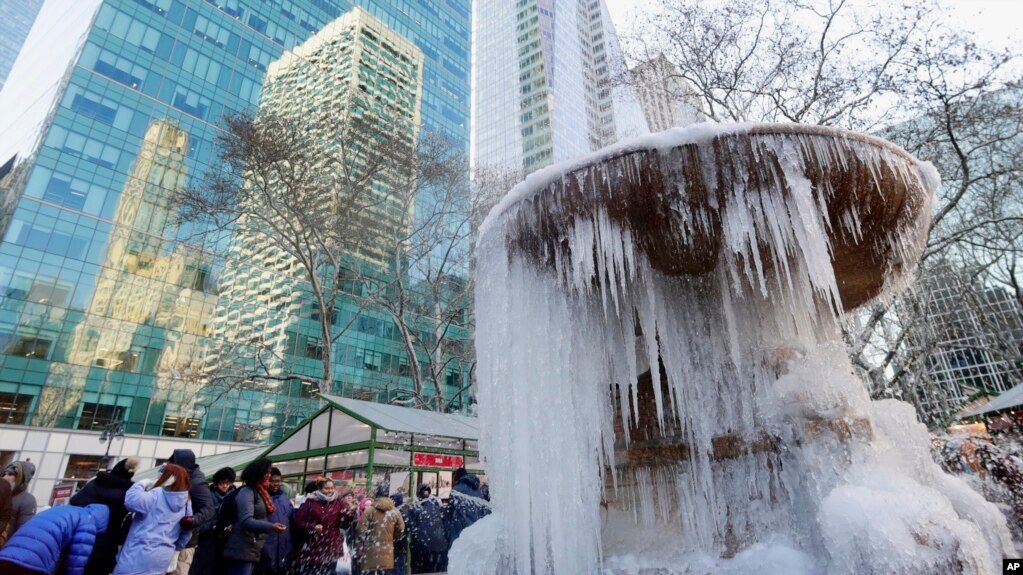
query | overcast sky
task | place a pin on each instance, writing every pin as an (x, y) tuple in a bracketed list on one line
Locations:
[(999, 23)]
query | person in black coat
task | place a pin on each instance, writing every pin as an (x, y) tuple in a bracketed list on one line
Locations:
[(209, 533), (466, 505), (426, 530), (203, 508), (107, 488)]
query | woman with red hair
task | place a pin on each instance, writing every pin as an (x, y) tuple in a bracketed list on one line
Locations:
[(158, 527)]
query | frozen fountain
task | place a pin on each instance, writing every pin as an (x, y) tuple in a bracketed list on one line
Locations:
[(663, 386)]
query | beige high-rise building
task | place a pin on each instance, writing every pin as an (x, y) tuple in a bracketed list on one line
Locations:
[(358, 66), (668, 101)]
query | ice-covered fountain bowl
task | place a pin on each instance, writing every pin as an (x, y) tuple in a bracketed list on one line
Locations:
[(677, 193)]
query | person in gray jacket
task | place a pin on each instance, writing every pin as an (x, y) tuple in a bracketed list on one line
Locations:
[(245, 543), (23, 504)]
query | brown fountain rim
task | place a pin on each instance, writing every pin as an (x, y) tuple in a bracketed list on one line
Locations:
[(743, 129), (546, 176)]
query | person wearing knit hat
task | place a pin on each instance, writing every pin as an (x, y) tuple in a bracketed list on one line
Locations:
[(23, 504), (125, 468), (204, 561), (107, 488)]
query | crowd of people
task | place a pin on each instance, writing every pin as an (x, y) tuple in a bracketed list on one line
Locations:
[(182, 524)]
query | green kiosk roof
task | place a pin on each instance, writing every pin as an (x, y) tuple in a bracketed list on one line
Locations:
[(357, 428)]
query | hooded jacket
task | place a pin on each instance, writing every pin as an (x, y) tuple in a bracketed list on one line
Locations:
[(23, 503), (203, 508), (108, 489), (465, 507), (426, 525), (380, 526), (156, 530), (39, 545)]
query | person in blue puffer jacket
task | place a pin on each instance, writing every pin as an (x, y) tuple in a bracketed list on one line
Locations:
[(160, 525), (61, 537)]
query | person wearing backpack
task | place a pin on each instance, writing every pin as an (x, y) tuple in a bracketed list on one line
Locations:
[(248, 534), (210, 533)]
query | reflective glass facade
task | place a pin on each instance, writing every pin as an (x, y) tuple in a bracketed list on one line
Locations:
[(107, 308), (542, 90), (16, 18)]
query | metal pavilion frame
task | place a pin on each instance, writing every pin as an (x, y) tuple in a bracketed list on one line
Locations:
[(335, 438)]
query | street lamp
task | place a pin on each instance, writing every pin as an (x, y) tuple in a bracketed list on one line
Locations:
[(112, 430)]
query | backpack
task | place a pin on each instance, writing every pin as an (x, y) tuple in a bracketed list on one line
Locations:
[(228, 514)]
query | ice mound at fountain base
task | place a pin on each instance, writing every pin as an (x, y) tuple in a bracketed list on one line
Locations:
[(752, 446)]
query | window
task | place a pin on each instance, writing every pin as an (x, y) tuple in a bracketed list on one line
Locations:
[(14, 408), (83, 467), (96, 416), (180, 426), (29, 346), (313, 349)]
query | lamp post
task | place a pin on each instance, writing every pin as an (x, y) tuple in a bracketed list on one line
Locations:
[(112, 430)]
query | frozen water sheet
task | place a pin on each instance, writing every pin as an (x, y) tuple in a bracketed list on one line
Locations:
[(661, 379)]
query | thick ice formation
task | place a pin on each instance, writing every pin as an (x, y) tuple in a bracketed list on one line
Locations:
[(782, 460)]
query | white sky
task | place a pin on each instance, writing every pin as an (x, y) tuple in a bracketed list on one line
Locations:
[(997, 23)]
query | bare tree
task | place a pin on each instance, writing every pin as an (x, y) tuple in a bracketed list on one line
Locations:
[(818, 62), (315, 204), (427, 293), (899, 71)]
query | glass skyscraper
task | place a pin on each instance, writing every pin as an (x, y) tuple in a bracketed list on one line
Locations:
[(109, 308), (543, 89), (16, 18)]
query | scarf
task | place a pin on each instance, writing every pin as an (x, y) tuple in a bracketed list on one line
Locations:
[(261, 489), (323, 497)]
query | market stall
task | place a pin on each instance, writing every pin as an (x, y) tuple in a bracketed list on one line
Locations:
[(361, 443)]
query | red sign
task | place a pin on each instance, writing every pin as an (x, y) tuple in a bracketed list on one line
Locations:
[(62, 493), (437, 460)]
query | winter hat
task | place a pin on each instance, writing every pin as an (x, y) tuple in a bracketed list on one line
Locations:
[(382, 490), (346, 492), (398, 499), (125, 468), (459, 473), (423, 490), (224, 473), (23, 471)]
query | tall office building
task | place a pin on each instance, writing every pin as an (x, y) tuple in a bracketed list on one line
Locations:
[(667, 99), (109, 310), (972, 340), (544, 88), (354, 68), (16, 18)]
